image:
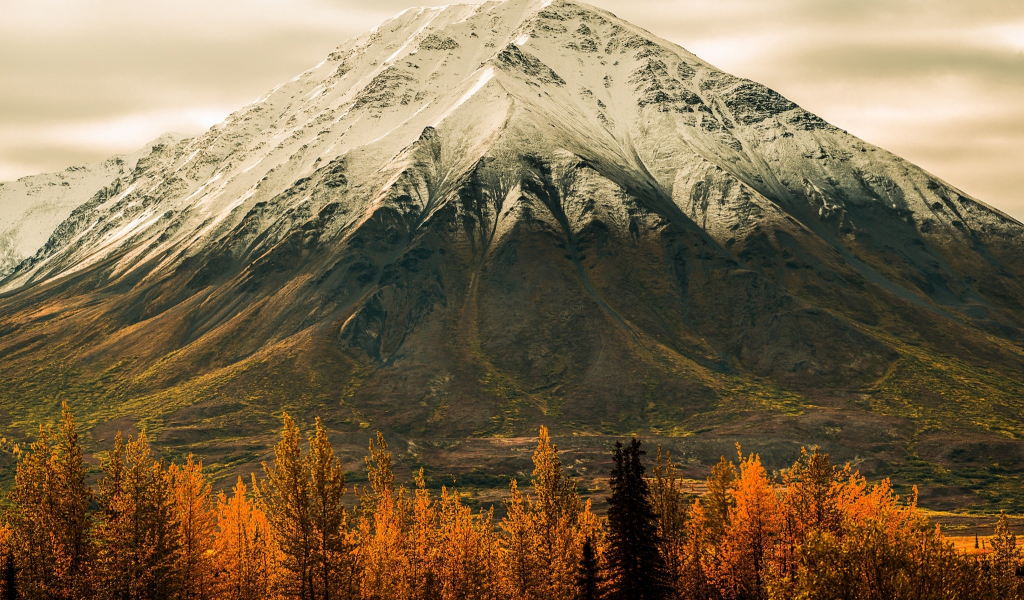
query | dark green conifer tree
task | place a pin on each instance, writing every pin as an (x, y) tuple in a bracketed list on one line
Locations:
[(589, 579), (9, 584), (637, 569)]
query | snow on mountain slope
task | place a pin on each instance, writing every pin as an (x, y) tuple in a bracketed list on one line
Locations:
[(32, 207), (646, 113), (477, 218)]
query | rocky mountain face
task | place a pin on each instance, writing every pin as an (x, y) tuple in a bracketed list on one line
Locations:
[(477, 219)]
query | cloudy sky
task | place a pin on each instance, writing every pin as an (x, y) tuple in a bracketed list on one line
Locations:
[(940, 82)]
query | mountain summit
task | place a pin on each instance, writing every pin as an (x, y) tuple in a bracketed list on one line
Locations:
[(479, 218)]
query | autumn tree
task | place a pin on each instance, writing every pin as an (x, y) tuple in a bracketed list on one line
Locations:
[(694, 577), (8, 573), (636, 566), (303, 498), (193, 507), (720, 500), (386, 544), (243, 548), (466, 558), (812, 501), (51, 539), (564, 522), (1005, 560), (285, 494), (520, 564), (753, 530), (422, 553), (545, 532), (873, 561), (333, 575), (668, 501), (138, 533)]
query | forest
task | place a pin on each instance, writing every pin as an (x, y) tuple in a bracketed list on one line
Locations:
[(152, 530)]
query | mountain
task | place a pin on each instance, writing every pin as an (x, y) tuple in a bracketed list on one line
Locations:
[(477, 219), (32, 207)]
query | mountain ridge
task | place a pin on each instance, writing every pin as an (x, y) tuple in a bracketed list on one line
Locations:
[(475, 219)]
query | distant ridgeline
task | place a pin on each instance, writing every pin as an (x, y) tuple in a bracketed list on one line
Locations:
[(475, 220), (153, 530)]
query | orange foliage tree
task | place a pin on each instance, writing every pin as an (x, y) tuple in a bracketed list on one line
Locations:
[(51, 540), (193, 505), (245, 555), (544, 533), (137, 535), (302, 496), (817, 531)]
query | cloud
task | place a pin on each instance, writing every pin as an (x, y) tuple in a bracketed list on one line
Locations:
[(940, 82)]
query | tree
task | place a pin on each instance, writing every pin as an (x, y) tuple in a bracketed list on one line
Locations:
[(719, 501), (589, 579), (753, 530), (668, 503), (8, 572), (51, 530), (1004, 542), (466, 551), (193, 506), (244, 550), (520, 564), (422, 554), (812, 502), (303, 499), (694, 581), (332, 544), (560, 528), (544, 533), (138, 541), (636, 567), (285, 495), (395, 555), (1005, 559)]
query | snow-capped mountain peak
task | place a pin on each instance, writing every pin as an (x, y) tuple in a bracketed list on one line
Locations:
[(478, 218)]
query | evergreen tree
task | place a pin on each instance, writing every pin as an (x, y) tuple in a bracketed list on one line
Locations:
[(637, 568), (9, 581), (589, 580)]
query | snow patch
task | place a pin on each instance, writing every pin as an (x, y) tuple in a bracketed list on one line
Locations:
[(432, 16), (485, 77)]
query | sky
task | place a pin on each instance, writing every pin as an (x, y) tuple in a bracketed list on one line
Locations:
[(939, 82)]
